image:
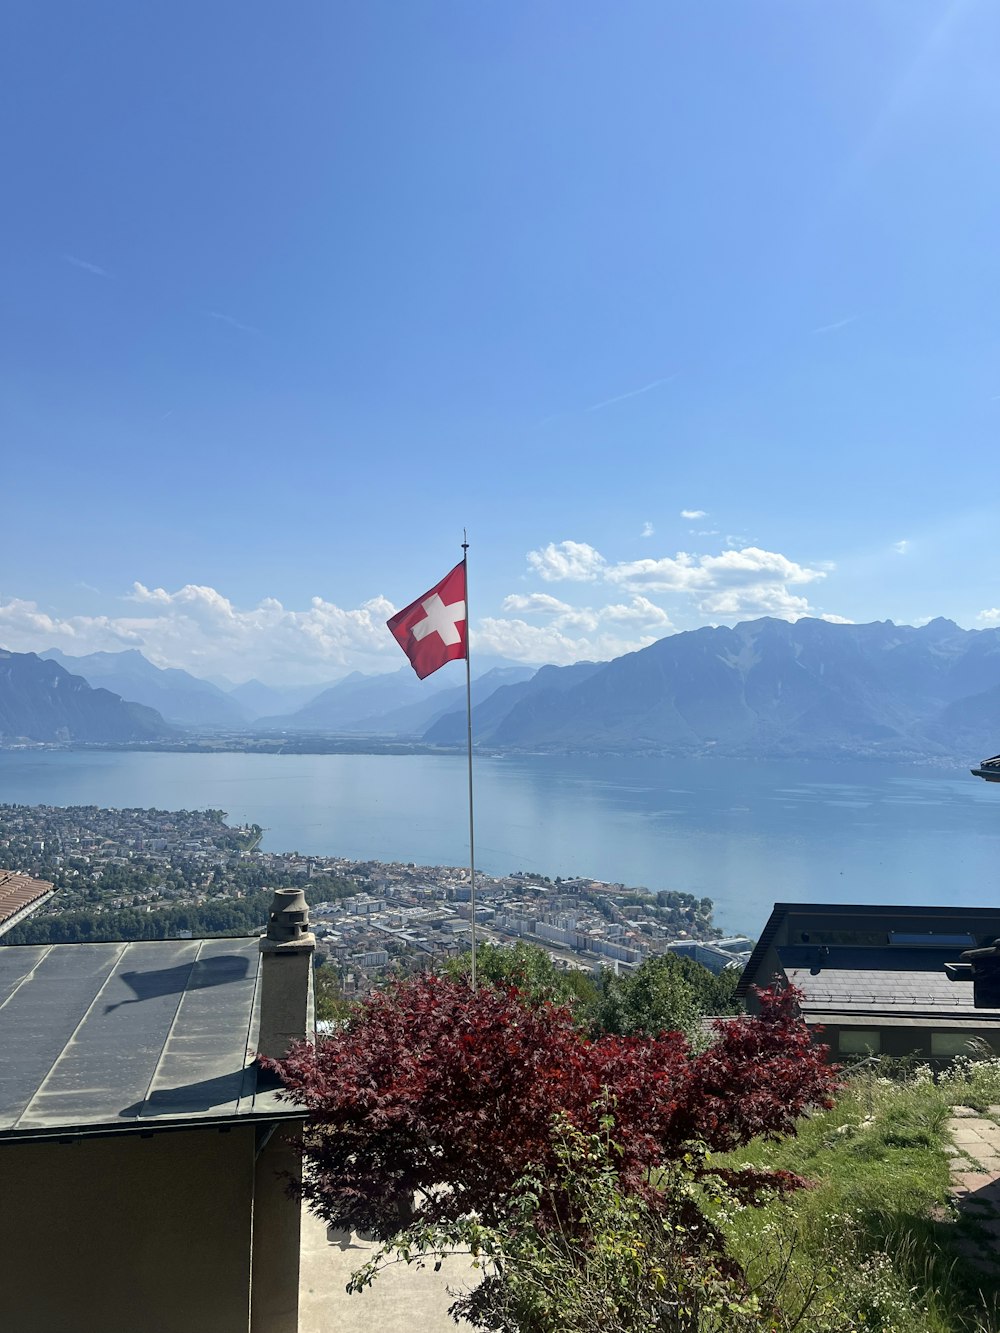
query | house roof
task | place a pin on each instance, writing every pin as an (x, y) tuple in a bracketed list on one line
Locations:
[(19, 891), (878, 993), (100, 1038), (908, 930)]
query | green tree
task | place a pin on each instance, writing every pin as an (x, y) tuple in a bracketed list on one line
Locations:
[(331, 1007), (531, 970), (665, 994)]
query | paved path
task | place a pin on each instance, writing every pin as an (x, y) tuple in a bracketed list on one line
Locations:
[(975, 1182), (403, 1300)]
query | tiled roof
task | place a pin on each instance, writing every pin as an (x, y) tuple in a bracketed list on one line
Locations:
[(890, 992), (18, 891)]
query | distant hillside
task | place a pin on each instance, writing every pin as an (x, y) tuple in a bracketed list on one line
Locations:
[(260, 700), (450, 729), (765, 687), (41, 701), (181, 698), (415, 718), (381, 704)]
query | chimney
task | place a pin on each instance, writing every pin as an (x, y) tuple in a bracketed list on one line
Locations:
[(286, 1000)]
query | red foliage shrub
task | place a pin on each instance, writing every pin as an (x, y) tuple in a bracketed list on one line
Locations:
[(437, 1091)]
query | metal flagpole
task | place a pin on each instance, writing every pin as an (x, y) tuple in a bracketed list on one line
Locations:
[(468, 714)]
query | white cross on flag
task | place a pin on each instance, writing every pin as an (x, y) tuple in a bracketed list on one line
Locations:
[(432, 630)]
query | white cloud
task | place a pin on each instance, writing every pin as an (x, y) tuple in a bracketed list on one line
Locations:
[(688, 573), (199, 629), (758, 599), (667, 574), (640, 610), (751, 562), (694, 513), (567, 560), (26, 628), (901, 547), (572, 633), (647, 530), (547, 643), (736, 582), (836, 620), (991, 617), (535, 601)]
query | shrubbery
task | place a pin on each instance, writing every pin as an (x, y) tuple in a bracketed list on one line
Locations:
[(435, 1104)]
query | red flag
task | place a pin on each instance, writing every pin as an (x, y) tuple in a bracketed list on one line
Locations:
[(433, 630)]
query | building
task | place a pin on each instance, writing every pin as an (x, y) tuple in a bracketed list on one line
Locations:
[(372, 958), (145, 1155), (708, 953), (874, 977), (20, 895)]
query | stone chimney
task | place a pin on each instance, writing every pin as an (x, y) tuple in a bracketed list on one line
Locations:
[(286, 1015), (286, 999)]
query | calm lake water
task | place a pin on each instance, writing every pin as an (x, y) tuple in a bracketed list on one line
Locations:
[(744, 834)]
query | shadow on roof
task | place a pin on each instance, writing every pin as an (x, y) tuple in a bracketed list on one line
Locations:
[(186, 1098), (157, 982)]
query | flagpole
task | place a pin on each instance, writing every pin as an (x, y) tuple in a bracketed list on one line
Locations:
[(468, 717)]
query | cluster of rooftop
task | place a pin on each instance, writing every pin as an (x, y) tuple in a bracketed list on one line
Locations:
[(414, 915)]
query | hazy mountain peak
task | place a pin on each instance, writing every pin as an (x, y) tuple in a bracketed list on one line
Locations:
[(40, 700)]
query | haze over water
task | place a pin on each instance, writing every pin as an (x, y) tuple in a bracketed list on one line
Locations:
[(744, 834)]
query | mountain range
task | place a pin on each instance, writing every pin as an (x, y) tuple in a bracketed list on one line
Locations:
[(395, 704), (764, 687), (41, 701), (388, 705), (179, 697)]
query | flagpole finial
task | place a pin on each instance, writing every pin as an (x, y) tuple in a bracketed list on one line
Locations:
[(465, 540)]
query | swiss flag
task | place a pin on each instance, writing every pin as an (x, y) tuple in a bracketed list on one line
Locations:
[(433, 630)]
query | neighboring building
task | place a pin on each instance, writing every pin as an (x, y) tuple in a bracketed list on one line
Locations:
[(145, 1157), (373, 958), (710, 955), (874, 979), (19, 896)]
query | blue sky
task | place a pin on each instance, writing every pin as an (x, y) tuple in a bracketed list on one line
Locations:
[(294, 293)]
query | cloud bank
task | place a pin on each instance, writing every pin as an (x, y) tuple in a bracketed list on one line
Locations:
[(618, 609), (199, 629), (745, 582), (735, 584)]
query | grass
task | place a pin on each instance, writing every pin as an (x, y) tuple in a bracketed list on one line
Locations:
[(875, 1243)]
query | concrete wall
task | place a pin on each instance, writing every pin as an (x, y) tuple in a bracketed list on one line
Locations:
[(277, 1234), (128, 1233)]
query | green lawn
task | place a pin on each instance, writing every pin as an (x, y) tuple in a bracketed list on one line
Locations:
[(875, 1244)]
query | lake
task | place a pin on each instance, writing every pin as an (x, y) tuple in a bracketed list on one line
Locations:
[(743, 833)]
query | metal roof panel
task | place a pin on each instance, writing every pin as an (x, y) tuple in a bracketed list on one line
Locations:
[(126, 1035)]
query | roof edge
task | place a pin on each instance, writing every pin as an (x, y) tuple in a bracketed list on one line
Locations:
[(146, 1128)]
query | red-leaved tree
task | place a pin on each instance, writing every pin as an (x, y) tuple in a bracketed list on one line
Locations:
[(434, 1099)]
